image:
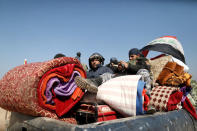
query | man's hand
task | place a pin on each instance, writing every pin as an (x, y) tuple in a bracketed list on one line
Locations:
[(124, 64)]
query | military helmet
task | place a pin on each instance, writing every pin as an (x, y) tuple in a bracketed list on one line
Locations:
[(96, 56), (113, 60)]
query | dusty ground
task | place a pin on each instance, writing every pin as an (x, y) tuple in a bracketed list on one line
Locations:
[(4, 119)]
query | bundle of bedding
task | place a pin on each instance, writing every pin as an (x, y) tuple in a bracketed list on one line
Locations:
[(168, 98), (172, 89), (44, 89), (162, 98), (125, 94)]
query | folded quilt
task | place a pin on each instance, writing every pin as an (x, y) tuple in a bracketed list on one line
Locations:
[(43, 88), (123, 94), (166, 98)]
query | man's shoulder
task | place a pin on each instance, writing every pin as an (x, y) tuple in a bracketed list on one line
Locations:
[(106, 69), (108, 65)]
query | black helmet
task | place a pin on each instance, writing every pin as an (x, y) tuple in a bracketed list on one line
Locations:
[(96, 56), (114, 60), (59, 55)]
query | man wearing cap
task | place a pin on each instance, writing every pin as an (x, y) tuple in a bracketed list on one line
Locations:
[(138, 65), (135, 63)]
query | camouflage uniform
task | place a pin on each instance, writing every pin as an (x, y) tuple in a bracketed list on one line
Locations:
[(135, 65)]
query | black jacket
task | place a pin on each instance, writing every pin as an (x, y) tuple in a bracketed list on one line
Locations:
[(113, 68), (135, 65)]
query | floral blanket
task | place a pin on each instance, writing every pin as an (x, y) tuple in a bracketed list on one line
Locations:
[(43, 88)]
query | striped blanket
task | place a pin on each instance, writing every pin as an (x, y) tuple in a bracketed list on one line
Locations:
[(123, 94), (43, 88)]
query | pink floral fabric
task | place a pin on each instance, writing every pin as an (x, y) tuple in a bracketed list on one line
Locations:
[(18, 87)]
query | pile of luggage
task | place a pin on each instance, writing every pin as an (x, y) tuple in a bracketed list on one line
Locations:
[(23, 89), (171, 85)]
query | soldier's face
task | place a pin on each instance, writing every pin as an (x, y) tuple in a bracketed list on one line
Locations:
[(95, 62), (133, 57)]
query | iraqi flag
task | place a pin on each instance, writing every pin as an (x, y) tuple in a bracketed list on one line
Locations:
[(168, 45)]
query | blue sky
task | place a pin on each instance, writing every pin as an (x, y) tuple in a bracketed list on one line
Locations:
[(38, 29)]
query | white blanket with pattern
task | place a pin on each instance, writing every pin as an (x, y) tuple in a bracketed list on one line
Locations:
[(120, 94)]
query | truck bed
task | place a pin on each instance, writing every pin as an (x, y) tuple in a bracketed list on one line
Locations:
[(178, 120)]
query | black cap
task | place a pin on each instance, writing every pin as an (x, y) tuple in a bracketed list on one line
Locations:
[(134, 51)]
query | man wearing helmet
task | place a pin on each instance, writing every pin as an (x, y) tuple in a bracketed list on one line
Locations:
[(97, 74), (96, 62), (113, 65)]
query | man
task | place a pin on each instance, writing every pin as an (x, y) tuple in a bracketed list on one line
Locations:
[(113, 65), (96, 75), (138, 65), (96, 62), (135, 63)]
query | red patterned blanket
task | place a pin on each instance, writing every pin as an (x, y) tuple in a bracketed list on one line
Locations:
[(167, 98), (42, 89)]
